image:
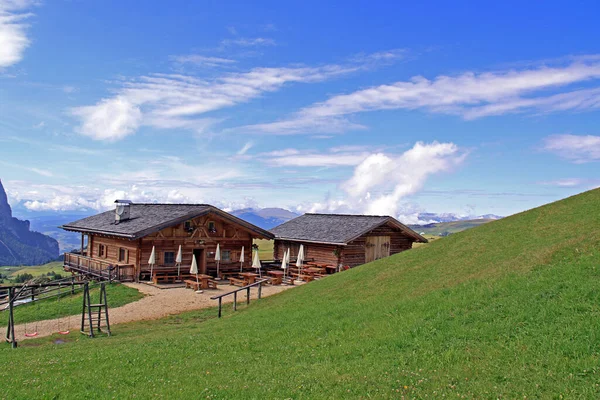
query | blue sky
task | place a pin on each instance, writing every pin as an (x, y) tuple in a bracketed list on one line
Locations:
[(366, 107)]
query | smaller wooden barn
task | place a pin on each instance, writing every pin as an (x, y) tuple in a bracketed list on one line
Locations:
[(339, 239)]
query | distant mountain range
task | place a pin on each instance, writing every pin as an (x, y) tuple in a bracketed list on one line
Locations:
[(432, 218), (19, 245), (265, 218)]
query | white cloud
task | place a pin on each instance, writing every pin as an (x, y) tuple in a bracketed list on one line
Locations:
[(566, 182), (174, 101), (381, 182), (470, 95), (245, 149), (110, 119), (13, 31), (332, 159), (197, 59), (248, 42), (576, 148)]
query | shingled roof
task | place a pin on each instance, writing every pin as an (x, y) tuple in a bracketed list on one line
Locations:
[(149, 218), (337, 229)]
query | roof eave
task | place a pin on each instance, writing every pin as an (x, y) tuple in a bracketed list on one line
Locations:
[(310, 241)]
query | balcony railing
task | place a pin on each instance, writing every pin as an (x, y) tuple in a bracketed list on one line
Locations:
[(99, 268)]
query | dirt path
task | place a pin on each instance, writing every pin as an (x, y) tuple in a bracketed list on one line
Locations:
[(157, 303)]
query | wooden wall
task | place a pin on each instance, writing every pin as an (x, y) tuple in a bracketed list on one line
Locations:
[(353, 254), (112, 246), (321, 253), (230, 236)]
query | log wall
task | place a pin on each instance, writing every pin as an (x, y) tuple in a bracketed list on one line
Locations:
[(321, 253), (353, 254), (230, 236)]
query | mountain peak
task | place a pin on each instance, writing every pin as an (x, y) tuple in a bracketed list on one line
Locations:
[(5, 211)]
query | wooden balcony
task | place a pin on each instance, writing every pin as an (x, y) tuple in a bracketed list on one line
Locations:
[(98, 268)]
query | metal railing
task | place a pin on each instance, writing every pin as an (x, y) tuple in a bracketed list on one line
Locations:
[(235, 292)]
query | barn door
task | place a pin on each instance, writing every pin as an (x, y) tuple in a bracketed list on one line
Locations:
[(377, 247)]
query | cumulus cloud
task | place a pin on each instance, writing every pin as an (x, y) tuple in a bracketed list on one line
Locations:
[(381, 181), (13, 30), (110, 119), (470, 95), (576, 148)]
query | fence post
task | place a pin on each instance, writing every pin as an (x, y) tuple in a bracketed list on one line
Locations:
[(247, 295), (234, 301), (32, 294), (220, 300), (72, 285), (259, 289)]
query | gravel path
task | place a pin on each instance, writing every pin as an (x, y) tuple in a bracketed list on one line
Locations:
[(157, 303)]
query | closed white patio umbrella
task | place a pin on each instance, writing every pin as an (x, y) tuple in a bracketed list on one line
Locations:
[(178, 260), (242, 260), (218, 258), (194, 270), (256, 263), (299, 261), (284, 263), (152, 261)]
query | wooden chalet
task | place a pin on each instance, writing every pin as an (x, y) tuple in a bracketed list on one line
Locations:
[(121, 241), (340, 240)]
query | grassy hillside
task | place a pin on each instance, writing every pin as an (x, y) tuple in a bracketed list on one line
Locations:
[(509, 309), (35, 270)]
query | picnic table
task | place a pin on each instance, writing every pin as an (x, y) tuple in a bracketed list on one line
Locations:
[(276, 277), (203, 282), (249, 277), (331, 269)]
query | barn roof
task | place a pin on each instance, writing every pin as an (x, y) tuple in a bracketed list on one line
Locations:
[(145, 219), (337, 229)]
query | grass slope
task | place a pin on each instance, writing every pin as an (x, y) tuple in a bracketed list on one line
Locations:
[(509, 309), (35, 270)]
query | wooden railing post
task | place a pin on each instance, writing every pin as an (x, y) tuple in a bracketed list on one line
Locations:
[(259, 290), (235, 301), (248, 296), (220, 303)]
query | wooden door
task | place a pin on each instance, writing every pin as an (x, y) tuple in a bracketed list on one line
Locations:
[(200, 260), (377, 247)]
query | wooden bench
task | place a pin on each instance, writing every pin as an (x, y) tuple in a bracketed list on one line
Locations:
[(156, 279), (192, 284), (274, 280), (236, 281), (202, 284), (306, 278)]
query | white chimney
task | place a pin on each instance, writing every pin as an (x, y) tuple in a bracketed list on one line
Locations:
[(122, 210)]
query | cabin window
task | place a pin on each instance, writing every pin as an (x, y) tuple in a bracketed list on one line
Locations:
[(212, 228), (226, 255), (101, 250), (123, 255), (187, 225), (169, 257)]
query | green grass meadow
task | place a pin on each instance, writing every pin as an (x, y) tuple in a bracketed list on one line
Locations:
[(35, 270), (510, 309)]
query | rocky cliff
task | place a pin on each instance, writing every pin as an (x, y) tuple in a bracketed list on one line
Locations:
[(18, 244)]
